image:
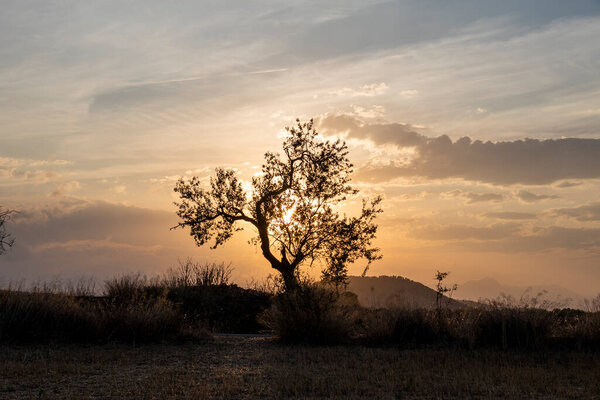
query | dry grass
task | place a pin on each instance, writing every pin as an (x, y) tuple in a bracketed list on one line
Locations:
[(316, 315), (235, 368), (37, 317)]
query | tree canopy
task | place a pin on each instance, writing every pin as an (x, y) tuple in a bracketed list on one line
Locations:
[(291, 205)]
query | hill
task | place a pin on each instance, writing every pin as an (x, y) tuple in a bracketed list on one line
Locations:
[(391, 291)]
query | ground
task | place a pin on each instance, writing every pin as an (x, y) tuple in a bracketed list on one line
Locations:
[(259, 368)]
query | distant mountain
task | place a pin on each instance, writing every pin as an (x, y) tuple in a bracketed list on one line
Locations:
[(390, 291), (489, 288)]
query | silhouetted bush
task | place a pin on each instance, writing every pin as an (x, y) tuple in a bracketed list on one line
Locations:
[(221, 308), (578, 329), (44, 317), (186, 303), (50, 317), (405, 327), (192, 273), (128, 288), (201, 293), (310, 314), (511, 328)]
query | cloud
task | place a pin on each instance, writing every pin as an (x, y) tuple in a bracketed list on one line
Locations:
[(510, 238), (72, 219), (13, 162), (401, 135), (119, 189), (473, 197), (364, 112), (65, 188), (409, 92), (462, 232), (527, 161), (74, 237), (30, 170), (31, 176), (372, 90), (512, 215), (584, 213), (568, 184), (392, 24), (543, 239), (529, 197), (83, 245)]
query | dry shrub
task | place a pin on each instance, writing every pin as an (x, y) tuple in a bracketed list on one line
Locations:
[(29, 317), (310, 314), (505, 327), (43, 317), (376, 326), (200, 292), (578, 329), (142, 322), (406, 327), (126, 288), (193, 273)]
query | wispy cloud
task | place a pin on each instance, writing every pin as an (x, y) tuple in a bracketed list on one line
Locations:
[(584, 213), (511, 215), (462, 232), (473, 197)]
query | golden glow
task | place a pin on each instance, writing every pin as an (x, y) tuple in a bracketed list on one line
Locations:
[(288, 215)]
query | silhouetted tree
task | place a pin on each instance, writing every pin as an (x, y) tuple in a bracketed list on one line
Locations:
[(442, 289), (291, 206), (6, 239)]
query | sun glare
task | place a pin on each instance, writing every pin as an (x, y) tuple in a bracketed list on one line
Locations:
[(288, 215)]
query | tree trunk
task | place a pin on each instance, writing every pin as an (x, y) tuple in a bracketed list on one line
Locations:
[(290, 280)]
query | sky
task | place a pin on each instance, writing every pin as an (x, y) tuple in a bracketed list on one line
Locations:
[(478, 121)]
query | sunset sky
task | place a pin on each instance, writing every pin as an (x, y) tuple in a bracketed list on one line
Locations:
[(478, 121)]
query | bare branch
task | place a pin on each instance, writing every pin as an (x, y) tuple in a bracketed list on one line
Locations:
[(6, 239)]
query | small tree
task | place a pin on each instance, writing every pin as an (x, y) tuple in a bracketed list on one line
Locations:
[(291, 207), (6, 240), (442, 289)]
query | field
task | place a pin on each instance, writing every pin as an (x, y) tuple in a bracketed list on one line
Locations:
[(249, 368)]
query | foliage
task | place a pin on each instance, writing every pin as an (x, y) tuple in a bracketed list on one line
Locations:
[(6, 240), (291, 206), (310, 314)]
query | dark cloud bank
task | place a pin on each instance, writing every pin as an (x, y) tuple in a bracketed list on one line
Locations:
[(74, 238), (527, 161)]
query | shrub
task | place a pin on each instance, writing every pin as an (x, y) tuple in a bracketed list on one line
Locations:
[(309, 314), (126, 288), (50, 317), (44, 317), (406, 327), (201, 293), (506, 327), (192, 273), (221, 308), (578, 329), (141, 322)]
